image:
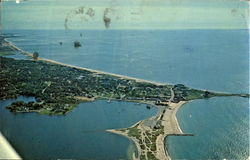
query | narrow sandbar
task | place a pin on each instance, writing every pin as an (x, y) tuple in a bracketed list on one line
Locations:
[(170, 126)]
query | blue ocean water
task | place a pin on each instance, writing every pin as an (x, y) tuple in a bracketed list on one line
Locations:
[(220, 126), (206, 59), (215, 60), (78, 135)]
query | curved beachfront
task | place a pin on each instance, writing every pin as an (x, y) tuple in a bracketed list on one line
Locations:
[(10, 44), (171, 128), (149, 135), (166, 115)]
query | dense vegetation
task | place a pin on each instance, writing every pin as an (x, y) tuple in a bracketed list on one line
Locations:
[(5, 53), (57, 89), (5, 50), (147, 142)]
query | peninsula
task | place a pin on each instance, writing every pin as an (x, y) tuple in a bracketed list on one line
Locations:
[(58, 88)]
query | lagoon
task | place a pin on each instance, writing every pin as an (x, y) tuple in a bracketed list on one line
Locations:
[(216, 60), (78, 135)]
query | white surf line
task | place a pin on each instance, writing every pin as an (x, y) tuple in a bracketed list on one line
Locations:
[(101, 72), (82, 68)]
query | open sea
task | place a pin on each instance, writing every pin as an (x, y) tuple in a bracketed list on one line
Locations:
[(216, 60)]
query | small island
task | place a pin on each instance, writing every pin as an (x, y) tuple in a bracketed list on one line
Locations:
[(58, 88)]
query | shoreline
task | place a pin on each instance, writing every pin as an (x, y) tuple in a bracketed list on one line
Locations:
[(28, 54), (171, 128), (166, 116), (124, 134), (160, 143), (13, 46), (179, 131)]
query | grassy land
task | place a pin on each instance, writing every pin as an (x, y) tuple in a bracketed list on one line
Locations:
[(6, 53), (134, 132), (49, 112), (55, 87), (148, 145)]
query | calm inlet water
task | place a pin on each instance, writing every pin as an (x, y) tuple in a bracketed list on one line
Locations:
[(78, 135), (207, 59), (221, 128)]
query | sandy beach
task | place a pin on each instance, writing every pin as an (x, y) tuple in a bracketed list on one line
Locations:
[(10, 44), (166, 116), (171, 128)]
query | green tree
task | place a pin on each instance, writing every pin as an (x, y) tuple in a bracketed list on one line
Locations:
[(35, 55), (206, 94)]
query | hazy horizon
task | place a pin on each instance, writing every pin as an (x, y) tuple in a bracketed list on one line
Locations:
[(139, 14)]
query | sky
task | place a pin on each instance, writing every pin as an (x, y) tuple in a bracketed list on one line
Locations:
[(120, 14)]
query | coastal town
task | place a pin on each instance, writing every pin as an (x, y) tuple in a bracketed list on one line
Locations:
[(58, 88)]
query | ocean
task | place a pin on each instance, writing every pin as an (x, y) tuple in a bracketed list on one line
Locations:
[(220, 126), (216, 60), (78, 135)]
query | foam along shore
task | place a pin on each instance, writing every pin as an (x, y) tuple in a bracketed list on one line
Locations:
[(170, 127), (6, 150), (13, 46)]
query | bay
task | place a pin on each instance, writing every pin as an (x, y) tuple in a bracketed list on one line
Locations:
[(78, 135), (215, 60)]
